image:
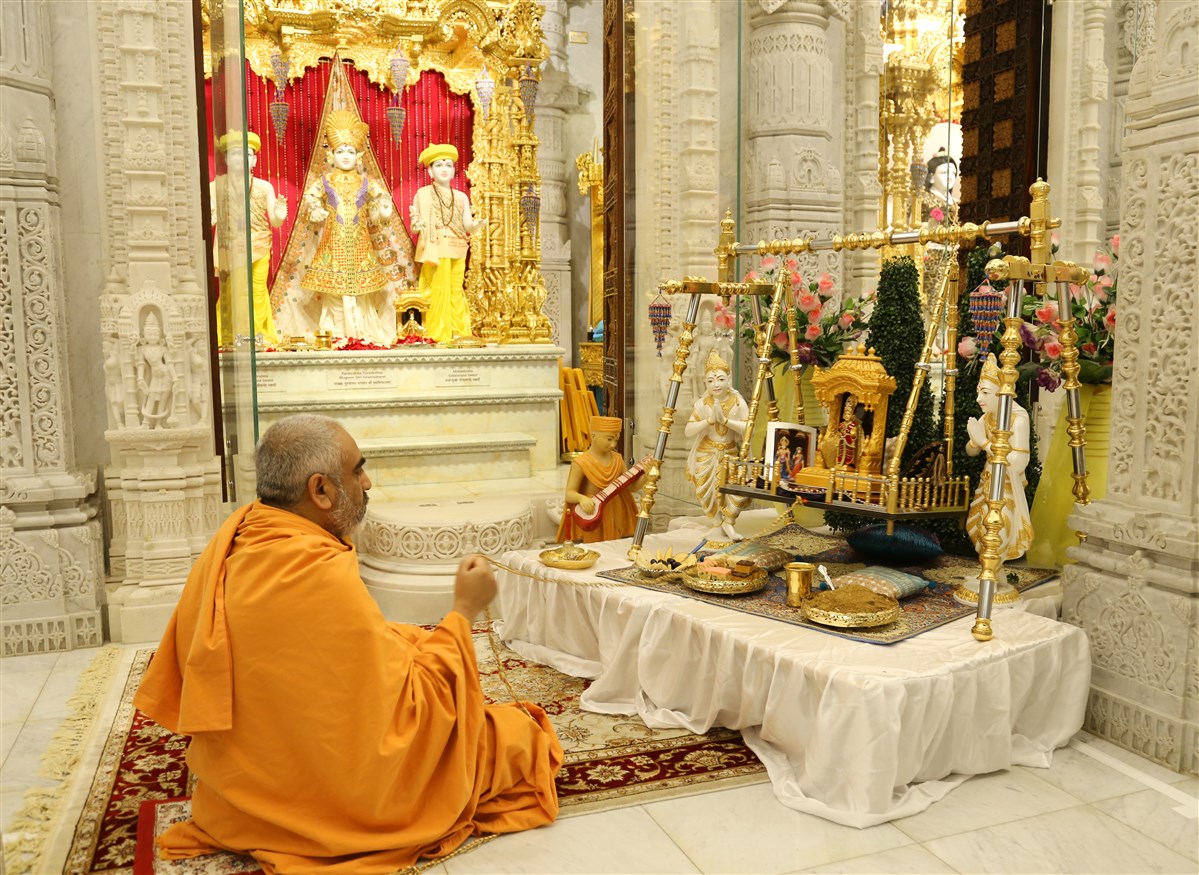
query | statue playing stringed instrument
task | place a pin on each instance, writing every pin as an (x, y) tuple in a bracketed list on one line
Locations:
[(599, 490)]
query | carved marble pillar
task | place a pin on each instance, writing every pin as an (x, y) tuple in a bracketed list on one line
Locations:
[(1135, 587), (793, 170), (164, 481), (863, 192), (51, 551), (556, 96), (1078, 155)]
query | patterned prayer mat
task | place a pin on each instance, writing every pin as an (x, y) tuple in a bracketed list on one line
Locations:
[(610, 761), (932, 608)]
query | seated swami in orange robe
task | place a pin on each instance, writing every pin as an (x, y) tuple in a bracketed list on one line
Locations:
[(592, 472), (324, 738)]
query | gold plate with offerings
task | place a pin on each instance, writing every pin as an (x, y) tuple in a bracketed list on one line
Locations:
[(569, 557), (706, 579), (850, 607)]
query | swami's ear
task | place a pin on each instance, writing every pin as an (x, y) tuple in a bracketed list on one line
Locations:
[(321, 492)]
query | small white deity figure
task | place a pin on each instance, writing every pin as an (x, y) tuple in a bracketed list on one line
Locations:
[(348, 275), (442, 218), (1016, 534), (939, 209), (717, 424), (114, 380), (156, 378)]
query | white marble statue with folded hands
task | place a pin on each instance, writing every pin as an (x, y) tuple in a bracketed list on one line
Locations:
[(716, 426)]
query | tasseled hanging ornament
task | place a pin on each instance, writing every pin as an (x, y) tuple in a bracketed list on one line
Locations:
[(659, 321), (986, 309), (278, 107)]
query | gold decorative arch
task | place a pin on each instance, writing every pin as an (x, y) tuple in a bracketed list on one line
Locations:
[(459, 39)]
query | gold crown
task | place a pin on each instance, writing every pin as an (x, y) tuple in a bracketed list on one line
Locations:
[(716, 363), (990, 370), (344, 127)]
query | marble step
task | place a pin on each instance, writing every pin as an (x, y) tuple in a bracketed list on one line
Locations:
[(394, 462)]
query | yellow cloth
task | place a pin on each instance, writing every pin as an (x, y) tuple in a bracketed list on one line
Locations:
[(441, 284), (435, 151), (231, 312), (1054, 501), (325, 738), (619, 516)]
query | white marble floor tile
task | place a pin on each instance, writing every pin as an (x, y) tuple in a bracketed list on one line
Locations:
[(21, 766), (8, 737), (622, 841), (61, 685), (1138, 762), (1075, 840), (747, 829), (986, 800), (42, 662), (1156, 815), (1084, 776), (908, 860), (19, 692)]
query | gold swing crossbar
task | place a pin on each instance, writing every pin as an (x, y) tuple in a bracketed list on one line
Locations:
[(892, 497)]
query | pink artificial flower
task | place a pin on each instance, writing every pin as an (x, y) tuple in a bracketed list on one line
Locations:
[(1102, 261), (846, 320), (723, 317), (781, 339), (769, 262), (1089, 348), (967, 347), (796, 280), (807, 301), (815, 315), (869, 295), (1054, 240), (1052, 346), (751, 276), (1115, 243), (1099, 292), (1046, 313), (1109, 319), (1076, 291), (1107, 281), (825, 283), (937, 214), (813, 332), (792, 264)]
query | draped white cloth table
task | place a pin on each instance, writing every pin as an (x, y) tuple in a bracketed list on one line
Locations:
[(856, 733)]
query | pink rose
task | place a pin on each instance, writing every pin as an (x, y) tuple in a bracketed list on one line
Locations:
[(792, 264), (813, 332), (808, 301), (1076, 291), (1102, 261), (1089, 348), (1047, 313), (1115, 243), (1054, 240), (967, 347), (769, 262), (1109, 319), (814, 314), (751, 276), (846, 320), (723, 317), (825, 283), (781, 339), (1052, 346), (1107, 281), (1099, 293), (796, 281), (937, 214)]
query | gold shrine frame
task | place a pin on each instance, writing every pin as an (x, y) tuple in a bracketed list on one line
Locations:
[(498, 44)]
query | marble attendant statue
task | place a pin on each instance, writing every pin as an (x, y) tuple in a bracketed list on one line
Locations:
[(717, 424), (266, 210), (347, 275), (939, 208), (1017, 533), (156, 378), (442, 218)]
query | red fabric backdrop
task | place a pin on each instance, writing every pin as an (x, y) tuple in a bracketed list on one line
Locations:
[(435, 115)]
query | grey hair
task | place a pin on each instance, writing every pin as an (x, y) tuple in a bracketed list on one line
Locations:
[(291, 451)]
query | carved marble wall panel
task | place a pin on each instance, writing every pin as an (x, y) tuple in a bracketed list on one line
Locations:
[(1135, 588), (51, 571)]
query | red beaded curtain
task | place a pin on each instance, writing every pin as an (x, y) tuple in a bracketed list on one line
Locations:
[(435, 115)]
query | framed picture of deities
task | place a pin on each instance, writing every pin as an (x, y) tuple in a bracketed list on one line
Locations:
[(792, 445)]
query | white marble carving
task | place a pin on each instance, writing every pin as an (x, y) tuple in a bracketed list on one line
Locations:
[(1136, 585)]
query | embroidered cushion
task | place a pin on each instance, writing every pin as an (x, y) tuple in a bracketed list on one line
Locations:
[(909, 545), (884, 581), (770, 558)]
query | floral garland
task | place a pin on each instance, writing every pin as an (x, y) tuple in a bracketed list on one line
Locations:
[(823, 328)]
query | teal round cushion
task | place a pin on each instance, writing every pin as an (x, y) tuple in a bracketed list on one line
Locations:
[(907, 546)]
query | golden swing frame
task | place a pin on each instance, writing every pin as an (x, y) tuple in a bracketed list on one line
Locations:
[(893, 497)]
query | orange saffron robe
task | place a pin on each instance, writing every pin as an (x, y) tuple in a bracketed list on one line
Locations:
[(618, 519), (325, 738)]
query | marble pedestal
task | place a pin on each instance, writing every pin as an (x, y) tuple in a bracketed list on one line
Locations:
[(409, 551)]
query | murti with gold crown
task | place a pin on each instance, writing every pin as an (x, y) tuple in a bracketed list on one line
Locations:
[(265, 210), (441, 216), (347, 275), (717, 423), (1016, 534)]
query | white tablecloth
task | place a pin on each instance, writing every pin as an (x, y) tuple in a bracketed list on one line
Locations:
[(856, 733)]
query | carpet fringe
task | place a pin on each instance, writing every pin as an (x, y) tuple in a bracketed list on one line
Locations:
[(25, 840)]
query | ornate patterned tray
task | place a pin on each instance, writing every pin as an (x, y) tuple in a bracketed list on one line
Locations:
[(568, 557), (714, 585), (850, 620)]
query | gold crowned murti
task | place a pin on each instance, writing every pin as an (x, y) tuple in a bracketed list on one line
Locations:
[(716, 363), (343, 127), (990, 371)]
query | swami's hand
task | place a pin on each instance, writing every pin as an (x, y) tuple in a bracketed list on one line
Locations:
[(474, 586)]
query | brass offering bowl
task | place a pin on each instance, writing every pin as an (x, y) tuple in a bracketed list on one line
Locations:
[(821, 608), (569, 557)]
